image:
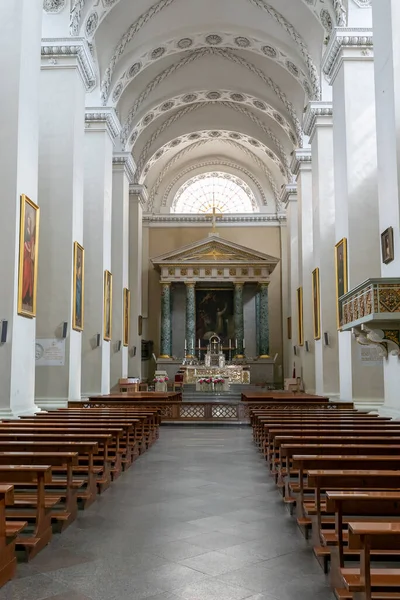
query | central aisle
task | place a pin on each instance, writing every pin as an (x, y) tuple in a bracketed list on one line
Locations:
[(196, 518)]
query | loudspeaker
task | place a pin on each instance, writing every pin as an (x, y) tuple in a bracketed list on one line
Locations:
[(3, 332), (307, 345), (326, 338), (295, 350), (98, 336), (64, 329), (119, 344)]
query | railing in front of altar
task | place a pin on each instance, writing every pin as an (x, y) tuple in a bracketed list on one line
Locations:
[(228, 411)]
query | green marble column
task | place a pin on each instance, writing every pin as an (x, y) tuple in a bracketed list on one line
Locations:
[(258, 300), (166, 329), (239, 319), (190, 319), (264, 321)]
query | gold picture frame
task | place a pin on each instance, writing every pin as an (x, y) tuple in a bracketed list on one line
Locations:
[(78, 308), (300, 328), (387, 245), (316, 304), (341, 277), (28, 257), (127, 313), (107, 306)]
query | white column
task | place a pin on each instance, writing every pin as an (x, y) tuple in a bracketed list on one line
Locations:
[(138, 196), (318, 126), (102, 127), (348, 62), (286, 361), (289, 200), (123, 174), (20, 38), (301, 167), (63, 84), (386, 21)]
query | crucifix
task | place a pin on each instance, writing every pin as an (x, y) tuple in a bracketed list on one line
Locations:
[(214, 216)]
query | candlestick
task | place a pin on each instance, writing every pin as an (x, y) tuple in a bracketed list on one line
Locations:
[(244, 345), (199, 345), (185, 345), (230, 343), (236, 344)]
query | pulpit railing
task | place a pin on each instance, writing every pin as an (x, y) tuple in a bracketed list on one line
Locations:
[(373, 300)]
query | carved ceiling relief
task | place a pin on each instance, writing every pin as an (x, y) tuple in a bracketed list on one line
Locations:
[(54, 6)]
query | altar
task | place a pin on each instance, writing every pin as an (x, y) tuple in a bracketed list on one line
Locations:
[(239, 374)]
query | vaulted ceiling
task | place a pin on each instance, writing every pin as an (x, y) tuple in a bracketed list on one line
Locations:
[(208, 85)]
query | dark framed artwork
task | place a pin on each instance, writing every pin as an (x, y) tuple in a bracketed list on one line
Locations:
[(342, 285), (214, 314), (300, 327), (289, 328), (316, 304), (28, 257), (127, 313), (140, 325), (107, 306), (387, 244), (78, 310)]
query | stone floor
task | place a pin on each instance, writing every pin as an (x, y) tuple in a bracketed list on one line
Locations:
[(196, 518)]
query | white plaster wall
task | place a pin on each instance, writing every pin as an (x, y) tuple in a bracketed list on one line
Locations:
[(120, 271), (97, 242), (62, 110), (20, 37)]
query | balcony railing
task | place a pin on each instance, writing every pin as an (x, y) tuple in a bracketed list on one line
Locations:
[(373, 300)]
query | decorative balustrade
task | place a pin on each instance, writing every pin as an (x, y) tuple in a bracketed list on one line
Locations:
[(374, 300)]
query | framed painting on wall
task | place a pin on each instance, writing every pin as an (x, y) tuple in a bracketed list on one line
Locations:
[(28, 257), (79, 289), (341, 277), (300, 330), (387, 244), (127, 312), (316, 304), (107, 305)]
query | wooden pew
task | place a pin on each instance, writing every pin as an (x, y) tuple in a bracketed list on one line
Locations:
[(356, 506), (362, 582), (8, 532)]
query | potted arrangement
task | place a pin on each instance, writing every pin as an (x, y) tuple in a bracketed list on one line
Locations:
[(219, 384), (160, 383)]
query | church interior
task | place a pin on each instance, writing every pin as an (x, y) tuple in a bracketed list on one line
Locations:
[(200, 300)]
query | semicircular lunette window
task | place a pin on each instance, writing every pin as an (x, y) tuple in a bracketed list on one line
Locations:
[(226, 192)]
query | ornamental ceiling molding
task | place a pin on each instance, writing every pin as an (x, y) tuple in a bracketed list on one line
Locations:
[(317, 113), (218, 164), (209, 40), (195, 146), (58, 53), (339, 12), (140, 192), (298, 40), (103, 117), (363, 3), (228, 55), (243, 138), (54, 6), (301, 160), (228, 176), (280, 159), (356, 39), (172, 103), (172, 220)]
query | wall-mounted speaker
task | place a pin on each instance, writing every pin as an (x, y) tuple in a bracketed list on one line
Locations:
[(307, 345), (98, 336), (64, 329), (119, 345), (295, 350), (3, 332), (326, 338)]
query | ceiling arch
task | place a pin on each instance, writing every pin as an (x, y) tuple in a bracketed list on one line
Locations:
[(215, 164), (244, 139), (269, 49), (196, 144), (280, 157), (213, 95), (336, 10), (227, 54)]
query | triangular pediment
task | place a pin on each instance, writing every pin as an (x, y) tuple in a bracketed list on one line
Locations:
[(214, 249)]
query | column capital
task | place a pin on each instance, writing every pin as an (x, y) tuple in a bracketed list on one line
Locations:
[(166, 283), (140, 191), (123, 161), (264, 284), (69, 53), (318, 114), (288, 194), (103, 118), (301, 161), (347, 44), (238, 284), (190, 284)]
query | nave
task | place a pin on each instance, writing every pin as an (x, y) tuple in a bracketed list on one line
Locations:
[(198, 517)]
